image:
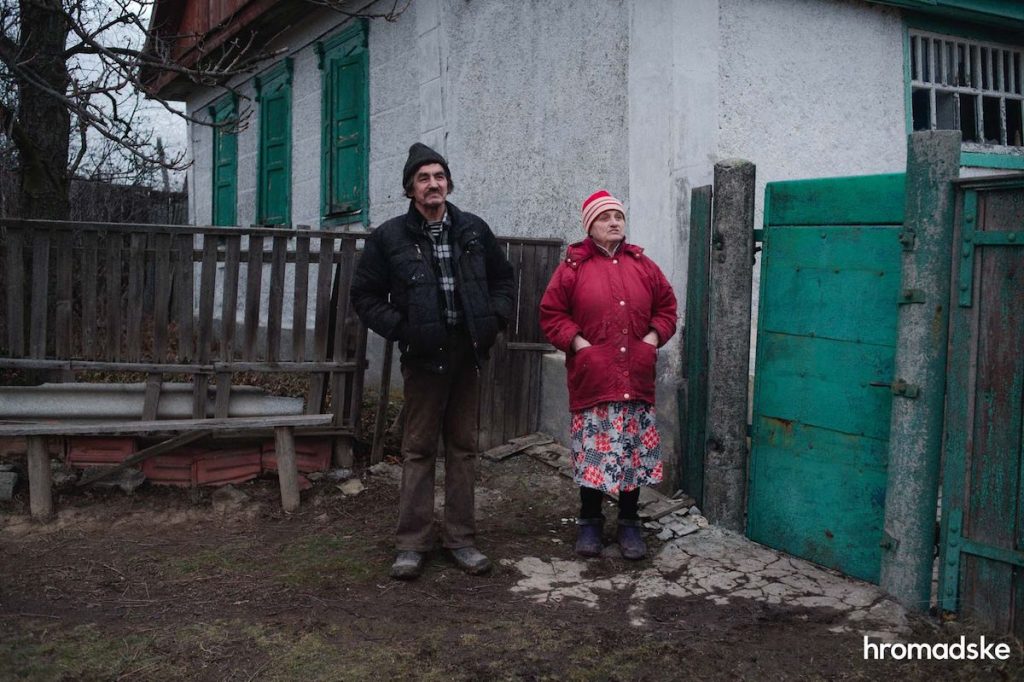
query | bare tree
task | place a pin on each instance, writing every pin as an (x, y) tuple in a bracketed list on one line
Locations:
[(72, 74)]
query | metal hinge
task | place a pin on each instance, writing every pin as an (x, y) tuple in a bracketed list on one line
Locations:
[(908, 238)]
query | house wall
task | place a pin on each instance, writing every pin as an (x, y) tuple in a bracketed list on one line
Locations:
[(538, 103)]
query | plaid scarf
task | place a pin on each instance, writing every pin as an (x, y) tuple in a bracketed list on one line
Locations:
[(438, 234)]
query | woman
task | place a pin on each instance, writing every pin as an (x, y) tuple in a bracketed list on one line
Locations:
[(609, 308)]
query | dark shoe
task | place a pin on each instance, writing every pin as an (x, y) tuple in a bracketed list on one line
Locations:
[(588, 536), (408, 565), (631, 540), (471, 560)]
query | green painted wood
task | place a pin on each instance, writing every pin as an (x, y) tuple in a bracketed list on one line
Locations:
[(830, 276), (273, 187), (693, 396), (828, 495), (345, 129), (814, 268), (225, 163), (983, 481), (827, 383), (860, 200)]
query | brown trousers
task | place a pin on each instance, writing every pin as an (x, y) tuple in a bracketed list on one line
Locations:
[(436, 405)]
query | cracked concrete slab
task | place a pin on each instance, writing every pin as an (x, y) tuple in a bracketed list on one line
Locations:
[(720, 566)]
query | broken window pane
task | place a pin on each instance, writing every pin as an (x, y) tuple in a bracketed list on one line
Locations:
[(969, 118), (921, 106), (991, 118), (1014, 124), (945, 110)]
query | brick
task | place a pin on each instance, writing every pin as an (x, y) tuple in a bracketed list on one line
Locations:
[(311, 454), (89, 452), (220, 467), (172, 468)]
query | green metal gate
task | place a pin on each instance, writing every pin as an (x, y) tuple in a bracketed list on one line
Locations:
[(830, 282), (982, 568)]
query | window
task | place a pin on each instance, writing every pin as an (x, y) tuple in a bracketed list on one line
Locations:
[(345, 127), (273, 188), (974, 86), (225, 161)]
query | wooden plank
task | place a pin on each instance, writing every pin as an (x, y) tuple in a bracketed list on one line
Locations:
[(321, 330), (253, 282), (207, 281), (161, 296), (151, 403), (112, 280), (169, 445), (355, 379), (184, 312), (693, 397), (181, 231), (178, 368), (276, 295), (136, 298), (40, 294), (15, 291), (11, 429), (223, 399), (301, 298), (90, 316), (515, 446), (343, 283), (62, 324), (994, 473), (862, 200), (383, 396), (287, 470), (40, 483), (229, 312)]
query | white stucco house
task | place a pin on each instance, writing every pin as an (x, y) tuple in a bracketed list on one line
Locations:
[(537, 103)]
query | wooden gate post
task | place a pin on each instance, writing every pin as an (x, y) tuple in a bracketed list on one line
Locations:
[(693, 391), (732, 248), (919, 378)]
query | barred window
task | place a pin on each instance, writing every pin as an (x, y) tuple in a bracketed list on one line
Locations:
[(973, 86)]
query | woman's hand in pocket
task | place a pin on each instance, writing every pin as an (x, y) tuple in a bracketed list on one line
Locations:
[(579, 343), (652, 338)]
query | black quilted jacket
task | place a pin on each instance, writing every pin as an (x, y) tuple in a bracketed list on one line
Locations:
[(396, 292)]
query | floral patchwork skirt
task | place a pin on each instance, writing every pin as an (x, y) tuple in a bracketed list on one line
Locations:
[(616, 447)]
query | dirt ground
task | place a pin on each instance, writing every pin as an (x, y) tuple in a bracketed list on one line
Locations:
[(172, 584)]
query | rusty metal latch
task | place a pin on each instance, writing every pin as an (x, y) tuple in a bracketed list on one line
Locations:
[(901, 387), (908, 238), (911, 296)]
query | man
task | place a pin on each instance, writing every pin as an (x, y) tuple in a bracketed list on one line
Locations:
[(436, 281)]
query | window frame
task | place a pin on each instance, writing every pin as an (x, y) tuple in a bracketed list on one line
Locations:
[(224, 107), (278, 76), (352, 40), (1002, 157)]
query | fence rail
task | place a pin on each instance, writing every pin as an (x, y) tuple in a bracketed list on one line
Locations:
[(204, 301)]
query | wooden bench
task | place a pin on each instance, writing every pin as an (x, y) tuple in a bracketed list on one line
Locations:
[(186, 430), (209, 303)]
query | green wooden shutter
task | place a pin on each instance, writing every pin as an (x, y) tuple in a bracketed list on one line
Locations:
[(275, 151), (225, 164), (345, 132)]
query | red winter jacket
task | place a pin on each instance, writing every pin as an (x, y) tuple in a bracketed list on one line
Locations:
[(613, 301)]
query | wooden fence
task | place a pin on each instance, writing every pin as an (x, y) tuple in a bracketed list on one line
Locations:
[(173, 300), (510, 383)]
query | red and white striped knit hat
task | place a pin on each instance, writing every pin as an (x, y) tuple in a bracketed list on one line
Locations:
[(596, 204)]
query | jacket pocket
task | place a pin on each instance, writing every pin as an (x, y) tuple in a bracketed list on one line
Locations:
[(644, 367)]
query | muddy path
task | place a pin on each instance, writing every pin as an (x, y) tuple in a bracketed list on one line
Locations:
[(169, 584)]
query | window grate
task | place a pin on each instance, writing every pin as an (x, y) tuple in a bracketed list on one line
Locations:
[(972, 86)]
